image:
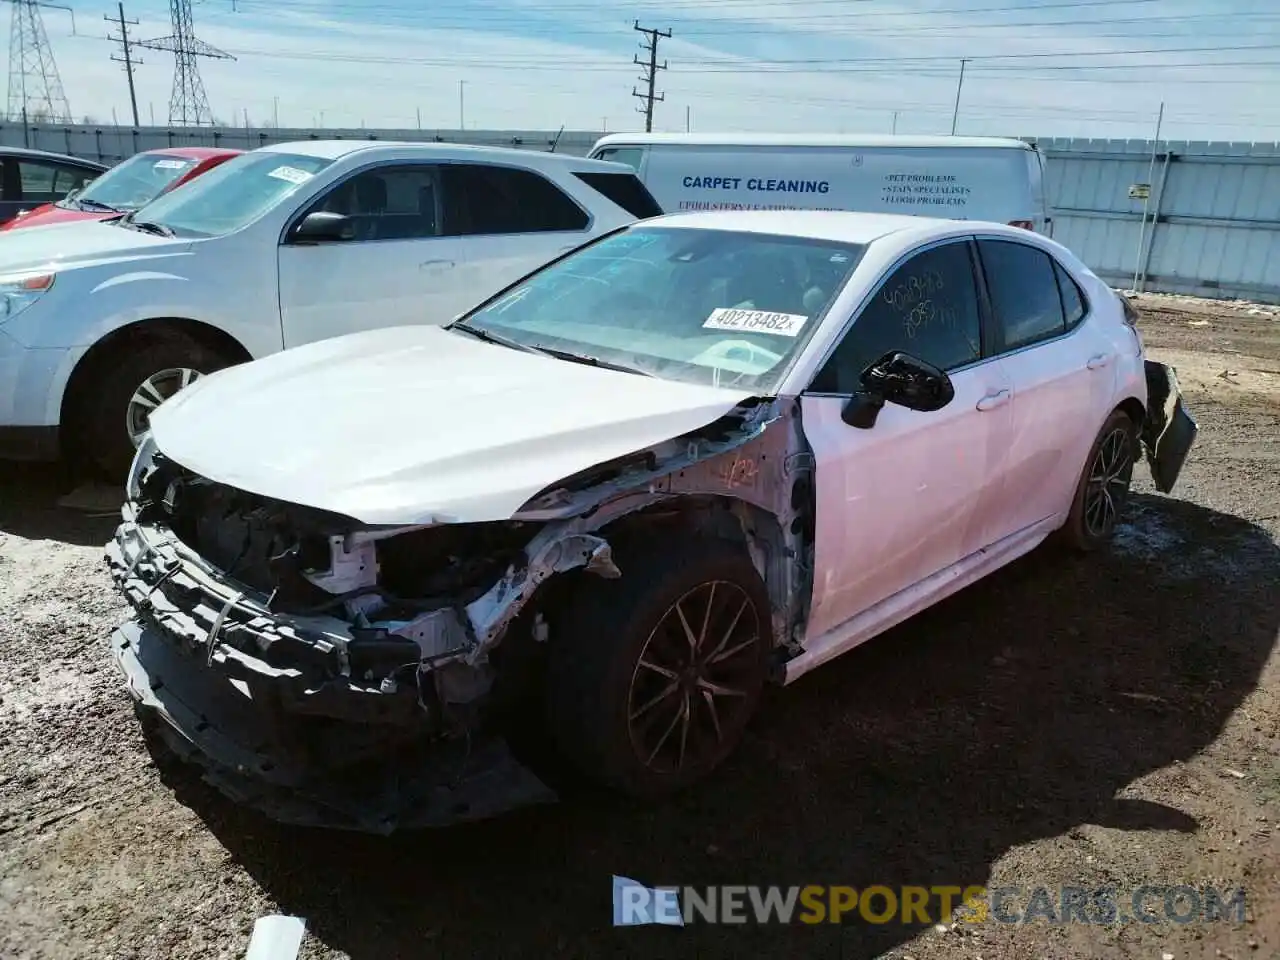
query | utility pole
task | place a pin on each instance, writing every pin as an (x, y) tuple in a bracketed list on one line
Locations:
[(275, 113), (955, 114), (1151, 173), (650, 75), (895, 121), (688, 124), (127, 59), (462, 105)]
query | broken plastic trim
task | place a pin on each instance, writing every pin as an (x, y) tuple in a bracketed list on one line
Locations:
[(1169, 431)]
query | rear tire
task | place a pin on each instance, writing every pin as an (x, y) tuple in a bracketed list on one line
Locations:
[(636, 701), (1103, 487), (114, 409)]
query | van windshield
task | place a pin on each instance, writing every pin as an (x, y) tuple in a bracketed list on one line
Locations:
[(714, 307), (232, 195)]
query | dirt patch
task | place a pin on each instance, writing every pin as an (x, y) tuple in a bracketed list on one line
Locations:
[(1109, 721)]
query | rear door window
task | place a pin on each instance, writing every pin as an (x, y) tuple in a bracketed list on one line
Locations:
[(1024, 293), (486, 200)]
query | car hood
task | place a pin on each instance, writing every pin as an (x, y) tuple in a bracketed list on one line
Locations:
[(50, 214), (81, 242), (419, 425)]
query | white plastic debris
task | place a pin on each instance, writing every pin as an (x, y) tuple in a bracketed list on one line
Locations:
[(276, 938)]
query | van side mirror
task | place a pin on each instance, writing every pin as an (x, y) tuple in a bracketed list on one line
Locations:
[(901, 379), (323, 226)]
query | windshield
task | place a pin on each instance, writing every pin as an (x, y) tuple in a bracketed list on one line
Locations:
[(130, 184), (233, 194), (716, 307)]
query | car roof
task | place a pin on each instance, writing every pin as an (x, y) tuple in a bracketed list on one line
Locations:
[(194, 153), (810, 140), (20, 152), (411, 149), (840, 226)]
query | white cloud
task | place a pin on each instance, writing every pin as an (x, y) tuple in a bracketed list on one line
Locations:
[(898, 58)]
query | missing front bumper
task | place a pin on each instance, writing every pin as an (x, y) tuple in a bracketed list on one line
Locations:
[(297, 743)]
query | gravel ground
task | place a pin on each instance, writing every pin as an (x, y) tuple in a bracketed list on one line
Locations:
[(1078, 722)]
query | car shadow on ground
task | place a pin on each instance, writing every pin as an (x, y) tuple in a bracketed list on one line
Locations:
[(1012, 712), (55, 501)]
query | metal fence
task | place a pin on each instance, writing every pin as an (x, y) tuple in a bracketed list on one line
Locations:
[(108, 144), (1203, 219)]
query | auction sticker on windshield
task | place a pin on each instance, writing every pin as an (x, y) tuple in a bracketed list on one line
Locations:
[(755, 321), (292, 174), (170, 164)]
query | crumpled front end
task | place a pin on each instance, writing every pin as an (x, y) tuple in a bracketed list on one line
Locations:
[(333, 673), (312, 695)]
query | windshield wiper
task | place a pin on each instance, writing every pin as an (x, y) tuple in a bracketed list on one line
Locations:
[(147, 226), (489, 337), (590, 361), (84, 204)]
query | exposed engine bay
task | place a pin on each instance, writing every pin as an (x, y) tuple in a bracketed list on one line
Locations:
[(336, 674)]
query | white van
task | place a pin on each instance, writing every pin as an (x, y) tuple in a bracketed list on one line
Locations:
[(961, 178)]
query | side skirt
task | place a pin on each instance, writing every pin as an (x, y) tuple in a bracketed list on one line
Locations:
[(907, 603)]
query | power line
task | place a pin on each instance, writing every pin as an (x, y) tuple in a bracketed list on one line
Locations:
[(918, 66), (732, 7), (650, 74), (470, 16), (127, 59)]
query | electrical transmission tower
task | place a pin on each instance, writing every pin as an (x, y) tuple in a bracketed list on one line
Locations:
[(35, 89), (650, 76), (188, 104)]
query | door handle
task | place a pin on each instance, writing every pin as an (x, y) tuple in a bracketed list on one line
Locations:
[(993, 400), (427, 264), (1098, 362)]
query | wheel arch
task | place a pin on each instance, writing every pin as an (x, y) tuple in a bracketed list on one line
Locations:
[(1134, 409), (666, 523), (131, 335)]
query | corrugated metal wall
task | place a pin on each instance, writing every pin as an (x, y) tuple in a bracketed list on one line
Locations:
[(110, 144), (1212, 216)]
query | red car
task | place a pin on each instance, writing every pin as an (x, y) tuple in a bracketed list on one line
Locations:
[(127, 186)]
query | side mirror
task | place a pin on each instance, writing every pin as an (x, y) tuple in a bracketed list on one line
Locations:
[(324, 227), (901, 379)]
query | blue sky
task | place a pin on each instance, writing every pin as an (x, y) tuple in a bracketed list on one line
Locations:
[(1036, 67)]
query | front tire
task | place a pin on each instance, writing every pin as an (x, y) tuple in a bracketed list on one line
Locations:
[(1103, 488), (116, 406), (653, 677)]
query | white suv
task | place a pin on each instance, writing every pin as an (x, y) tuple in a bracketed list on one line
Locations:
[(100, 322)]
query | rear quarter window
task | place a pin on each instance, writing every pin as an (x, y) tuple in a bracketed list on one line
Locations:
[(624, 189)]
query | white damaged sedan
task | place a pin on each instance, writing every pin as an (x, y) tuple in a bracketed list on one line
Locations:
[(702, 454)]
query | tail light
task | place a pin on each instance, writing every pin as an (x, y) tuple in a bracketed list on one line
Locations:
[(1130, 311), (1023, 224)]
